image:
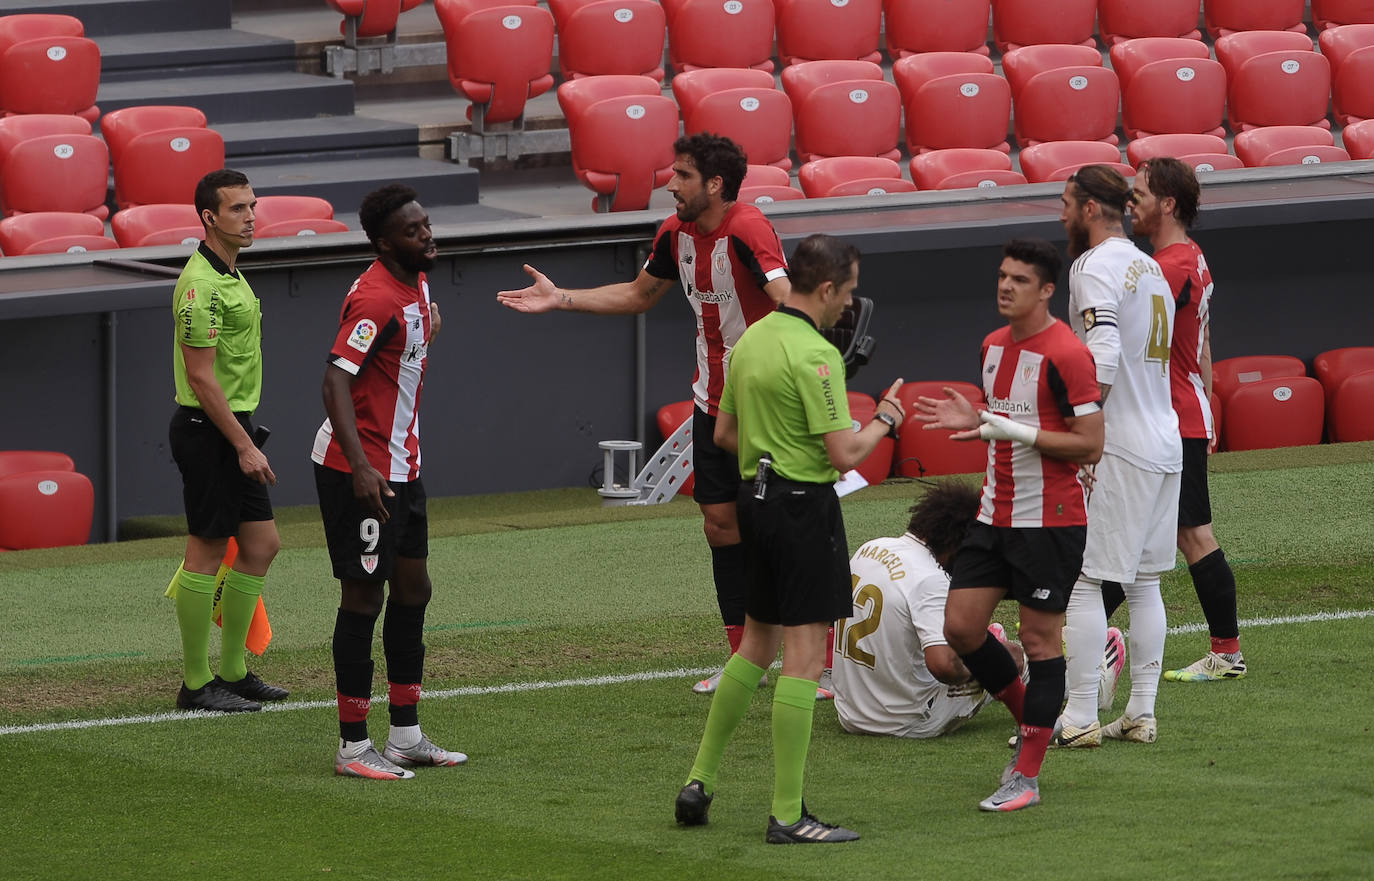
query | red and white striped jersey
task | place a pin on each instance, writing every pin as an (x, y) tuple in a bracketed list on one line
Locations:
[(1191, 281), (1042, 381), (382, 336), (723, 274)]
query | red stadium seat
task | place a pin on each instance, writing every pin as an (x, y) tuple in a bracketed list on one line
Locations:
[(767, 193), (1180, 96), (1131, 55), (498, 57), (1139, 150), (17, 129), (1359, 139), (982, 180), (369, 18), (670, 418), (1020, 65), (1313, 154), (852, 176), (133, 226), (51, 75), (922, 453), (182, 235), (691, 87), (1120, 20), (1339, 42), (928, 170), (300, 226), (1268, 413), (20, 461), (1334, 366), (849, 118), (914, 27), (1280, 88), (766, 176), (276, 209), (1040, 162), (959, 110), (800, 80), (610, 37), (1227, 16), (1328, 14), (1202, 163), (721, 33), (1351, 412), (165, 166), (623, 148), (1235, 49), (1230, 374), (1068, 104), (45, 509), (913, 71), (758, 120), (119, 127), (1252, 146), (817, 30), (1353, 90), (876, 468), (30, 26), (79, 244), (19, 233), (57, 173), (1018, 23)]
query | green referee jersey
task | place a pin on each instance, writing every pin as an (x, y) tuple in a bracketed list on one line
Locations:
[(785, 387), (214, 307)]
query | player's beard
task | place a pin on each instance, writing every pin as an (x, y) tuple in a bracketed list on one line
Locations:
[(1078, 238), (689, 210), (417, 263)]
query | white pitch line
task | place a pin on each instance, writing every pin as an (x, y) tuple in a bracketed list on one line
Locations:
[(513, 687)]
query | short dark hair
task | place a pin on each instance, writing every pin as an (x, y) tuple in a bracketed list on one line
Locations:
[(1171, 179), (943, 516), (378, 206), (1038, 253), (207, 196), (818, 259), (716, 156), (1105, 186)]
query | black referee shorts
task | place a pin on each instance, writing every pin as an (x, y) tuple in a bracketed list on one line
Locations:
[(361, 547), (1194, 501), (796, 554), (716, 470), (217, 494)]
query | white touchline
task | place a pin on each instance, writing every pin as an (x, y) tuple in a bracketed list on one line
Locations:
[(510, 687)]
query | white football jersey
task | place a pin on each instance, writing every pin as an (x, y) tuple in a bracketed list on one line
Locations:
[(882, 685), (1121, 305)]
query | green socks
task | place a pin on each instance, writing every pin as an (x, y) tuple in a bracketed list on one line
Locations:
[(236, 608), (794, 704), (194, 599), (731, 701)]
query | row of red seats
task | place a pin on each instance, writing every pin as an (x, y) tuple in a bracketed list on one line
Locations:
[(48, 66), (44, 501), (1264, 401)]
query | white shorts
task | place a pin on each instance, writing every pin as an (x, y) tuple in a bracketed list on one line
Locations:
[(943, 715), (1132, 522)]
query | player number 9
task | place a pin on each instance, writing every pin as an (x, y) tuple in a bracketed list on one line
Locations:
[(369, 531)]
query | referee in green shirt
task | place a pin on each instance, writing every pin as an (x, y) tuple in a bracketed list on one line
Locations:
[(217, 363), (785, 413)]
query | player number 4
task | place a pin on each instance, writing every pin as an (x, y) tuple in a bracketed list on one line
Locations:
[(1157, 346)]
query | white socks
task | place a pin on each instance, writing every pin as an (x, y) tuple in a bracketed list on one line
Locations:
[(1146, 644), (1085, 632), (406, 736)]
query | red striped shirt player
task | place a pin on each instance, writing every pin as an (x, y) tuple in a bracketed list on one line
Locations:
[(367, 473), (1043, 420), (730, 263), (1166, 202)]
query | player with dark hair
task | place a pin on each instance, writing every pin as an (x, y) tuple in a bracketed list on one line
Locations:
[(217, 364), (1043, 420), (895, 673), (731, 266), (367, 474), (784, 413), (1120, 305), (1166, 202)]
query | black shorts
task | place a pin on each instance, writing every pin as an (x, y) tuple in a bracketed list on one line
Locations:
[(716, 470), (360, 547), (796, 555), (1037, 566), (217, 494), (1194, 502)]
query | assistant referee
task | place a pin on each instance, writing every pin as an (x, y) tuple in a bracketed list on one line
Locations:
[(785, 413)]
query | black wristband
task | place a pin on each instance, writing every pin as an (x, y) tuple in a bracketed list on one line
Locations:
[(888, 420)]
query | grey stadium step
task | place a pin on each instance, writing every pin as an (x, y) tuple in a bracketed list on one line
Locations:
[(315, 138), (227, 53), (102, 17), (345, 182), (240, 98)]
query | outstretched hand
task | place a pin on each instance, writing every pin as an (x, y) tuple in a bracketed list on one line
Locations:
[(953, 412), (542, 296)]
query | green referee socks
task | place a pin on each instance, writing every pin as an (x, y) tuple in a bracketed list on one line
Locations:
[(731, 701), (794, 705), (195, 596), (236, 608)]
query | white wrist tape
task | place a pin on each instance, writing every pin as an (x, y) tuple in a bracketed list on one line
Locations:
[(996, 427)]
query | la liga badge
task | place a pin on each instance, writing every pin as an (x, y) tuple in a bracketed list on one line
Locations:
[(362, 335)]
